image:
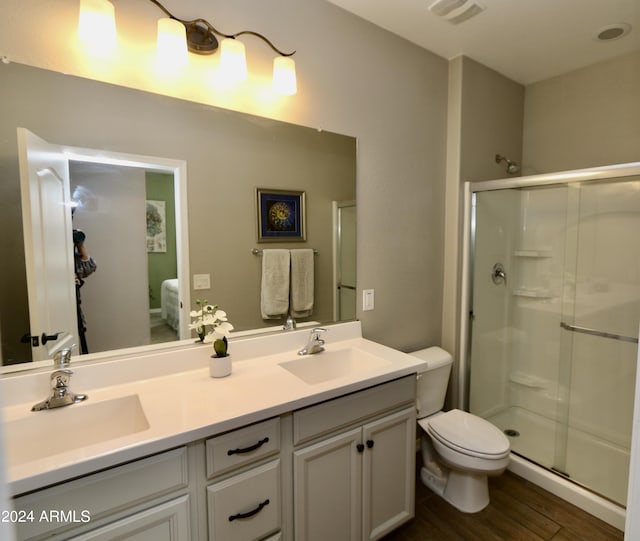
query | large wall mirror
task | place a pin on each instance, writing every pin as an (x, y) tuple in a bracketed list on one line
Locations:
[(226, 157)]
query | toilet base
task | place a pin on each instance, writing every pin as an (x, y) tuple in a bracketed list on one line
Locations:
[(467, 492)]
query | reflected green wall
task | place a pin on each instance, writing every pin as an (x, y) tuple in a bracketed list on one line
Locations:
[(162, 265)]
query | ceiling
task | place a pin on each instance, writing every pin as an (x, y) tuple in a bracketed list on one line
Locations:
[(525, 40)]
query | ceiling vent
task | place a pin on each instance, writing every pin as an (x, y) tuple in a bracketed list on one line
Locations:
[(456, 11)]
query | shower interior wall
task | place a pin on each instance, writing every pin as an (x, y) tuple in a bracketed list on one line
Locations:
[(569, 255)]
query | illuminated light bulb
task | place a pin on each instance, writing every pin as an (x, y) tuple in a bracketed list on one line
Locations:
[(172, 43), (233, 62), (284, 76), (97, 25)]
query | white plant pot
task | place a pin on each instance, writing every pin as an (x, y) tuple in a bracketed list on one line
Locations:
[(219, 367)]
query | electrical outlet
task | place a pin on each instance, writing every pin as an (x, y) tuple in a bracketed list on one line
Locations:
[(367, 299), (201, 281)]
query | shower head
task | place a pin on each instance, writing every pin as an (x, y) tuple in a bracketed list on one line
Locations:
[(512, 167)]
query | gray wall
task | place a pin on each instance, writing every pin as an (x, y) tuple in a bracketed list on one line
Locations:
[(485, 118), (492, 117), (585, 118)]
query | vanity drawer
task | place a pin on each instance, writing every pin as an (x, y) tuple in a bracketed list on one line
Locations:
[(105, 493), (316, 421), (242, 446), (165, 522), (246, 506)]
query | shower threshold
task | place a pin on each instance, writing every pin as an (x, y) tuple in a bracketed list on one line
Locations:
[(535, 443)]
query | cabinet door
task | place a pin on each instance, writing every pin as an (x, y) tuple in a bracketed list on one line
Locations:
[(327, 479), (389, 473), (165, 522)]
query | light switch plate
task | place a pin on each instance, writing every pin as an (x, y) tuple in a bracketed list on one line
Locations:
[(201, 281), (367, 299)]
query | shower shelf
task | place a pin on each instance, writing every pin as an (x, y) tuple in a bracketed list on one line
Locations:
[(532, 253), (532, 293), (528, 380)]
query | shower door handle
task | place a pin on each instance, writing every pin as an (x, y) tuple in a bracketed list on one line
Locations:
[(601, 334), (498, 274)]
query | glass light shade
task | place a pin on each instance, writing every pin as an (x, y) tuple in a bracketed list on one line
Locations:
[(284, 76), (172, 42), (97, 24), (233, 61)]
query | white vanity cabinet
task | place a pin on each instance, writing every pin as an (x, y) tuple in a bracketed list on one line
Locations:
[(355, 477), (338, 469)]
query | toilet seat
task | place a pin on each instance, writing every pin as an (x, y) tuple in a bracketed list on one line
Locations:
[(468, 434)]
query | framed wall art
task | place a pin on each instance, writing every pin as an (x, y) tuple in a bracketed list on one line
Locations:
[(281, 215), (156, 226)]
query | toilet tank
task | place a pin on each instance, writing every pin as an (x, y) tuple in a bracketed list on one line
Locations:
[(433, 381)]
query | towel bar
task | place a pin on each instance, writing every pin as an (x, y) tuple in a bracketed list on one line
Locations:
[(257, 251)]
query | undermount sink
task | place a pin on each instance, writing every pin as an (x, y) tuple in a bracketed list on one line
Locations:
[(51, 432), (328, 365)]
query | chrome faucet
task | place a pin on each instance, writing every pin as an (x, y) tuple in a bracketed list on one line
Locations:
[(289, 324), (62, 358), (59, 381), (315, 343)]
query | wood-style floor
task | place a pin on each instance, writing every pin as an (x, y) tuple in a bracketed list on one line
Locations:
[(518, 511)]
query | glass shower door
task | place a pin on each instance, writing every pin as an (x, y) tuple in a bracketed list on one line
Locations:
[(599, 335), (556, 283)]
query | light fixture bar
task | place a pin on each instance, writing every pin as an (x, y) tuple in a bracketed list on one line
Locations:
[(201, 34)]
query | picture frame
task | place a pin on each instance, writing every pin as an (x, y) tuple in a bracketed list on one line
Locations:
[(156, 226), (281, 215)]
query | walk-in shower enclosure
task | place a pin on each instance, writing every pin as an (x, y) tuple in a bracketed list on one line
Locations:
[(551, 314)]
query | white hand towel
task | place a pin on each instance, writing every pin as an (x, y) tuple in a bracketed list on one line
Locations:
[(274, 294), (302, 282)]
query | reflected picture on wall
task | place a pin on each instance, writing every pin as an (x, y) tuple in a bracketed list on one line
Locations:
[(281, 215), (156, 226)]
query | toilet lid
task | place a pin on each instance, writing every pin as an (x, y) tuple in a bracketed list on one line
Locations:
[(469, 434)]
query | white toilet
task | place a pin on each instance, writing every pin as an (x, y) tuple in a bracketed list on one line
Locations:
[(459, 450)]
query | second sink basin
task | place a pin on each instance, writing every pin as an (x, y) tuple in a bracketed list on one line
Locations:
[(328, 365), (51, 432)]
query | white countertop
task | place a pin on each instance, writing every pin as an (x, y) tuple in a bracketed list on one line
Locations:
[(183, 403)]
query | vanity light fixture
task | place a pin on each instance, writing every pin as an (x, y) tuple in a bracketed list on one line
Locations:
[(172, 44), (177, 36), (97, 25), (201, 38), (233, 60)]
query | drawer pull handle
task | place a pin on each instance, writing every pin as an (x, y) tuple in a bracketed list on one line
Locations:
[(370, 444), (360, 447), (251, 513), (248, 449)]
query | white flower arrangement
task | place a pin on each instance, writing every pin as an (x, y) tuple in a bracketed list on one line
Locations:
[(210, 316)]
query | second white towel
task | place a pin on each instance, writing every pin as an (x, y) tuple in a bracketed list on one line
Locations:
[(302, 282)]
